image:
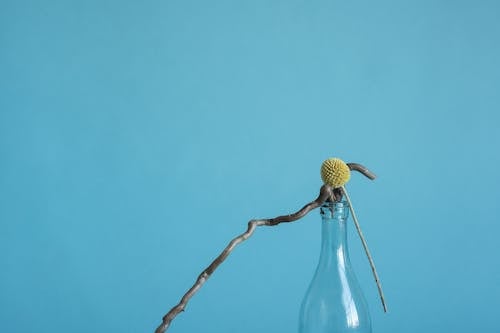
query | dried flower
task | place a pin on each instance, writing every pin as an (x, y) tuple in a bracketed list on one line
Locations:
[(335, 172)]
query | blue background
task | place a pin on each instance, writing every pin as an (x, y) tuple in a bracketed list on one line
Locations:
[(138, 137)]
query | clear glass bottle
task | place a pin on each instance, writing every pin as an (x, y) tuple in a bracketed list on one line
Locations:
[(334, 301)]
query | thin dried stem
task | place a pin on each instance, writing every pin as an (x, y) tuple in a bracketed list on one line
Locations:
[(326, 193), (365, 246)]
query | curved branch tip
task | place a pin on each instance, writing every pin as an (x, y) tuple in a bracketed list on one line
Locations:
[(362, 169)]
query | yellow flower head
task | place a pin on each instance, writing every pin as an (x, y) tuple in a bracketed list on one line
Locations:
[(335, 172)]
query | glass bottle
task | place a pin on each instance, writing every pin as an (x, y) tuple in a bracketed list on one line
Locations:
[(334, 301)]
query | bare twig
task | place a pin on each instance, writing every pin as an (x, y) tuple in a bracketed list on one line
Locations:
[(362, 169), (365, 246), (326, 193)]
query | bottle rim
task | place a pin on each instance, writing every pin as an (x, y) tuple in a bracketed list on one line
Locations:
[(340, 204)]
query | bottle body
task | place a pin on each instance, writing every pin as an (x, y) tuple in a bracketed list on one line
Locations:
[(334, 301)]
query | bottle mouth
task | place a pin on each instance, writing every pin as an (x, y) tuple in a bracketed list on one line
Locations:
[(338, 204), (335, 210)]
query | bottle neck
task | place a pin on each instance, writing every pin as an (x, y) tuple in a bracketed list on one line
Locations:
[(334, 250)]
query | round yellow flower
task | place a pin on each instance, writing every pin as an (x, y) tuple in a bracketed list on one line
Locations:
[(335, 172)]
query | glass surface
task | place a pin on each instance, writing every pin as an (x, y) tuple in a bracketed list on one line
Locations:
[(334, 301)]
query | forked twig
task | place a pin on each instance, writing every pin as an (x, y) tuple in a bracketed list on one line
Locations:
[(327, 193)]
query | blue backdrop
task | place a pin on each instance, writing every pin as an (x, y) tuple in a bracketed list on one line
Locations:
[(138, 137)]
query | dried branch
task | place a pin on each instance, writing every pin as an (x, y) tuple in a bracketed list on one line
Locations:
[(362, 169), (326, 193)]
